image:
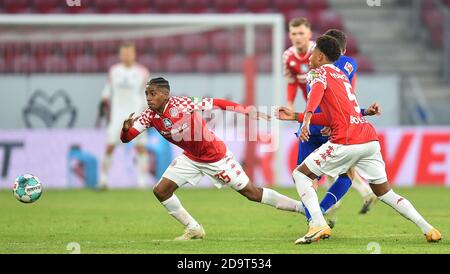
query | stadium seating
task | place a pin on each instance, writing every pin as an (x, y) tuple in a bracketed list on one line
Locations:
[(212, 51)]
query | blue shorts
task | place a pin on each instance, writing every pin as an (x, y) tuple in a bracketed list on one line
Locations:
[(315, 141)]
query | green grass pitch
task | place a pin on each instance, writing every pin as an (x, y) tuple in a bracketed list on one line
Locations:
[(133, 221)]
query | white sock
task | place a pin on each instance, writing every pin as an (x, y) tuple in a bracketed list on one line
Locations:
[(175, 209), (309, 197), (142, 164), (106, 164), (275, 199), (362, 187), (405, 208)]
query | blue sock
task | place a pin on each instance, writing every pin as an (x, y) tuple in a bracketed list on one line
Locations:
[(334, 194)]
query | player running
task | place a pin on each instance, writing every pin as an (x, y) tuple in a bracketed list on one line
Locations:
[(123, 92), (353, 143), (336, 191), (178, 120)]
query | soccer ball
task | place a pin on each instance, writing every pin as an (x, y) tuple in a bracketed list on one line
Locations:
[(27, 188)]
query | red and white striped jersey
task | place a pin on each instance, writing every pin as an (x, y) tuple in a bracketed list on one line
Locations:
[(182, 124)]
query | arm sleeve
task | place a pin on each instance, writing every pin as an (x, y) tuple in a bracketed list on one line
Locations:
[(315, 97), (229, 105), (127, 136), (143, 122), (291, 92), (317, 119)]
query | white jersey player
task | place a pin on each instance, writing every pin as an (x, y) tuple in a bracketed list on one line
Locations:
[(124, 93)]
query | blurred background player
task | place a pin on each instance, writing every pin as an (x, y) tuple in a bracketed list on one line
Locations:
[(296, 58), (124, 93)]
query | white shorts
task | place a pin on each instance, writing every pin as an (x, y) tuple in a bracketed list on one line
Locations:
[(113, 136), (335, 159), (225, 172)]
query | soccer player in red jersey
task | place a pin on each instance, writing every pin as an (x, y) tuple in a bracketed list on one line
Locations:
[(353, 143), (178, 120), (296, 58)]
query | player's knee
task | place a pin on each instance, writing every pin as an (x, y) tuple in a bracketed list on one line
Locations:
[(161, 192)]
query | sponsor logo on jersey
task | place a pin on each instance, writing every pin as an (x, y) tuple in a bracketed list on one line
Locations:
[(338, 76), (173, 112), (348, 67), (167, 122), (292, 63), (357, 120)]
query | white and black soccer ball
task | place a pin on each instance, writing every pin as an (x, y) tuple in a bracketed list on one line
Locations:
[(27, 188)]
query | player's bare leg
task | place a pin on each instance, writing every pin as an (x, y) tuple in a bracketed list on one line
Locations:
[(106, 165), (406, 209), (318, 227), (363, 189), (271, 197), (164, 192), (142, 165)]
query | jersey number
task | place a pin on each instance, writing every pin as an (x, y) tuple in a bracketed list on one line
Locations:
[(223, 177), (351, 96)]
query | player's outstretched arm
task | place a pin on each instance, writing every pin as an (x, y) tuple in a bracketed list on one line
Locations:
[(235, 107), (128, 132), (373, 109), (286, 114)]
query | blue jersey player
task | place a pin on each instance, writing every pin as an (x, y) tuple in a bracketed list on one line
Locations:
[(317, 138)]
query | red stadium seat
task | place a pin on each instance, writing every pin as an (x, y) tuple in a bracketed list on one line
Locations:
[(86, 63), (352, 46), (3, 66), (73, 48), (197, 6), (137, 6), (152, 62), (195, 42), (47, 6), (235, 63), (166, 6), (264, 63), (227, 6), (315, 5), (263, 40), (228, 41), (24, 64), (209, 63), (364, 63), (165, 44), (17, 6), (55, 63), (284, 6), (179, 63), (328, 19), (108, 46), (257, 5), (294, 13), (107, 6), (106, 61)]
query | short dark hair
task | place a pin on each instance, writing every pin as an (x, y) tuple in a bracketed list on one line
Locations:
[(298, 21), (160, 82), (329, 46), (339, 36)]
